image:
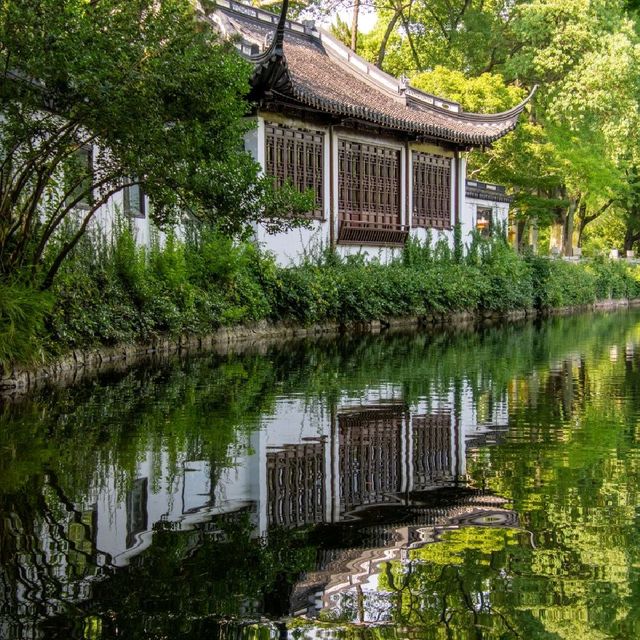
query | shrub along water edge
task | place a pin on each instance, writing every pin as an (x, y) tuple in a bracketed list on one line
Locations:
[(113, 292)]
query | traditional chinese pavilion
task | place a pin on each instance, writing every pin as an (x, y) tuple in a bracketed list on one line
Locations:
[(384, 159)]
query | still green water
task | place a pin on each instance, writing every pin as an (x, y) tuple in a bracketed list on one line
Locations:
[(455, 485)]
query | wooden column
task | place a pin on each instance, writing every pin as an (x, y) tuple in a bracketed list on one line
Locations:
[(457, 182)]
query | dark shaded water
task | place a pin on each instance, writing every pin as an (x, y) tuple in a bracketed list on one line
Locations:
[(460, 485)]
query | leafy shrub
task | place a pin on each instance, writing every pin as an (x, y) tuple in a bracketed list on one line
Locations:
[(22, 315), (613, 279), (111, 292), (504, 279)]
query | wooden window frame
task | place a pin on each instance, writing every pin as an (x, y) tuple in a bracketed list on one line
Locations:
[(129, 210), (370, 193), (296, 155), (489, 214), (431, 191)]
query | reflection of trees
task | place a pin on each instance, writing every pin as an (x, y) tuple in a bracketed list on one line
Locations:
[(193, 411), (570, 464), (54, 546), (578, 489), (188, 582), (462, 586), (64, 446)]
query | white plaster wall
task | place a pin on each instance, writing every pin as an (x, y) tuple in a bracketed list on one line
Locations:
[(293, 420), (306, 242), (295, 245), (384, 255), (436, 235)]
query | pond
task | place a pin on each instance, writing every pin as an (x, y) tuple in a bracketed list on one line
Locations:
[(453, 484)]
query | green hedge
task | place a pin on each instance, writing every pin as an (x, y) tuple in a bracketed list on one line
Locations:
[(115, 292)]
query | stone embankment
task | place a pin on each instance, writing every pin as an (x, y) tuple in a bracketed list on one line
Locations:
[(84, 363)]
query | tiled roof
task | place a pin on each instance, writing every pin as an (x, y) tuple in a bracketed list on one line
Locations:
[(300, 63), (486, 191)]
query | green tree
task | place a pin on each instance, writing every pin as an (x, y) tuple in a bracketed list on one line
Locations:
[(99, 94)]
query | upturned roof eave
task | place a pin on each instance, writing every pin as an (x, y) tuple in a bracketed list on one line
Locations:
[(371, 116)]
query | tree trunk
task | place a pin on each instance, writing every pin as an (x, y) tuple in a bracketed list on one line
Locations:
[(385, 38), (354, 25), (567, 228), (533, 236), (584, 220), (521, 243), (628, 240), (631, 234)]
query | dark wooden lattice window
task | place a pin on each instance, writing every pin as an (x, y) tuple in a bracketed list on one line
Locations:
[(369, 183), (431, 191), (370, 458), (296, 155), (431, 449), (295, 478)]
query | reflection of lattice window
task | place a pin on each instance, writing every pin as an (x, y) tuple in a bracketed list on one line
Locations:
[(370, 457), (136, 510), (431, 449), (369, 183), (295, 485), (431, 191), (296, 155)]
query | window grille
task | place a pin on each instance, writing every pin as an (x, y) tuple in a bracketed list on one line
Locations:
[(369, 184), (296, 155), (431, 191)]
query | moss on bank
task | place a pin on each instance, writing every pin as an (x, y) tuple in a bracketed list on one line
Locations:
[(114, 293)]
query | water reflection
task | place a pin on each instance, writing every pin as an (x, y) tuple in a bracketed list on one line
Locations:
[(465, 484)]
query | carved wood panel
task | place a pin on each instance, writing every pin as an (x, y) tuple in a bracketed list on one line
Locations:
[(431, 191), (431, 449), (296, 155), (370, 458), (369, 184)]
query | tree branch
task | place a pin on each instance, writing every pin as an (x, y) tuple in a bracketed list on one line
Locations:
[(73, 241)]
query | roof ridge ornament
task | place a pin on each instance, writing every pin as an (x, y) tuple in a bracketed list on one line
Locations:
[(271, 72), (275, 51)]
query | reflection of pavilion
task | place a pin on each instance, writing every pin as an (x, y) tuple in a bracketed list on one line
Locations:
[(309, 463), (369, 457)]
